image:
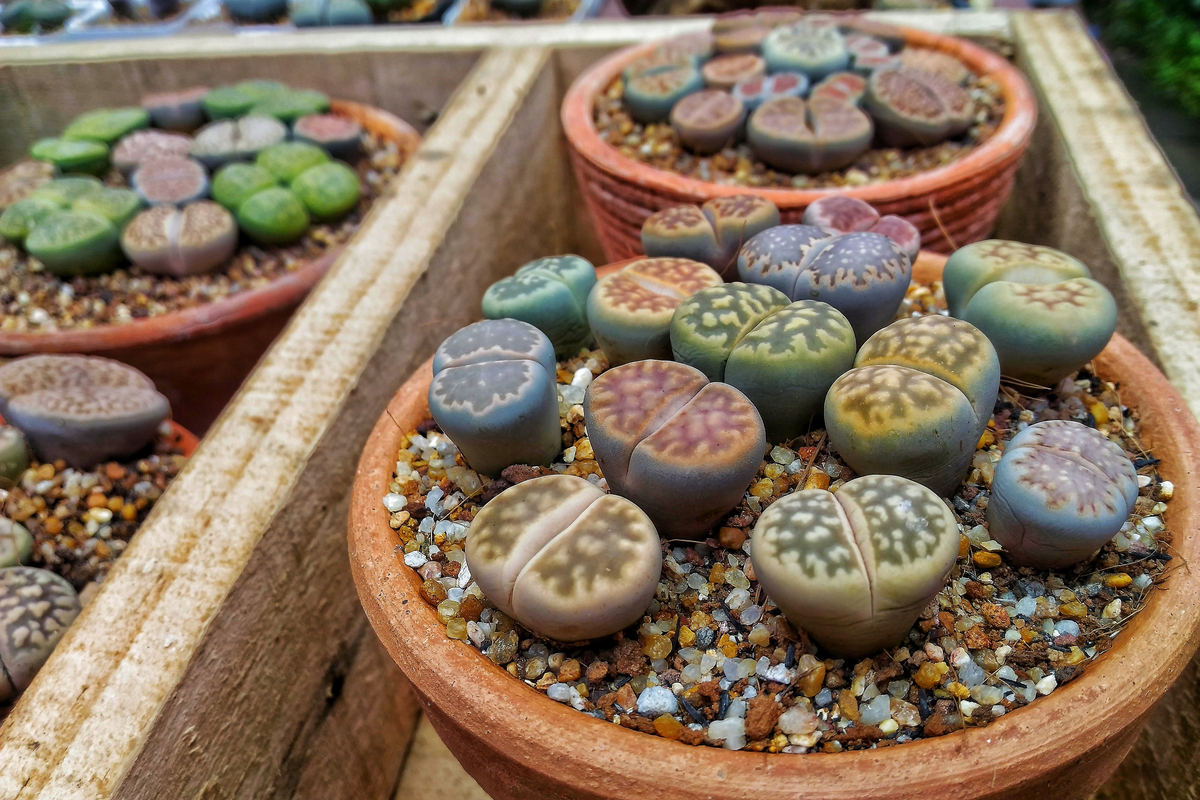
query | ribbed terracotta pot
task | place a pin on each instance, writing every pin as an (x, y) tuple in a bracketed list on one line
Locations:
[(961, 199), (521, 745), (198, 357)]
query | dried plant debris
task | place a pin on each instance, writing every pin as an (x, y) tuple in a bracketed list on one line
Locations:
[(714, 662)]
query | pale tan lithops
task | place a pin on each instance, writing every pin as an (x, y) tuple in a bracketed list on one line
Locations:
[(856, 568), (171, 241), (36, 608), (565, 559)]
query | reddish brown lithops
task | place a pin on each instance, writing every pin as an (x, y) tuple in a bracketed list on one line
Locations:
[(791, 135), (708, 120), (838, 213), (170, 241), (1060, 492), (141, 147), (36, 608), (630, 312), (914, 108), (171, 179), (712, 233), (565, 559), (82, 409), (683, 449), (725, 71)]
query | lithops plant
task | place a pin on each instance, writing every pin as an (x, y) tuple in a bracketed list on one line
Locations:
[(708, 120), (174, 180), (744, 32), (70, 243), (920, 395), (630, 312), (180, 242), (935, 61), (177, 111), (256, 10), (107, 124), (550, 294), (711, 234), (683, 449), (328, 191), (340, 136), (235, 183), (912, 108), (868, 54), (18, 219), (116, 205), (493, 394), (1039, 306), (16, 544), (226, 102), (775, 256), (286, 160), (856, 568), (22, 179), (27, 16), (563, 558), (708, 325), (72, 155), (82, 409), (65, 191), (723, 72), (236, 140), (756, 91), (36, 608), (314, 13), (791, 135), (651, 95), (814, 50), (841, 88), (839, 213), (1060, 492), (14, 454), (273, 216), (140, 147), (292, 104)]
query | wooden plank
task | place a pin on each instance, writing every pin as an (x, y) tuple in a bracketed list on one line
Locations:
[(433, 773)]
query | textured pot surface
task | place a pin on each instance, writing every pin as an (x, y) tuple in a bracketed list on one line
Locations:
[(519, 744), (199, 356), (961, 199)]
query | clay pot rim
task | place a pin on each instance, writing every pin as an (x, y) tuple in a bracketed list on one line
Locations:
[(1006, 144), (545, 737), (228, 312)]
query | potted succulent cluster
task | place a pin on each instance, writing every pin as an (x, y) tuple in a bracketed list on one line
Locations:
[(790, 107), (320, 13), (147, 233), (765, 491), (33, 16), (512, 10)]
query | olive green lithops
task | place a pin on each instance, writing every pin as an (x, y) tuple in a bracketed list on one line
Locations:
[(1060, 492), (920, 395), (651, 95), (855, 568), (36, 608), (177, 111), (630, 311), (839, 213), (550, 294), (286, 160), (682, 448), (72, 155), (708, 325), (16, 544), (180, 242), (711, 234), (65, 191), (493, 393), (82, 409), (273, 216), (14, 454), (70, 243), (107, 124), (235, 101), (235, 183), (18, 219), (563, 558), (1039, 306), (116, 205), (239, 139), (22, 179), (329, 191)]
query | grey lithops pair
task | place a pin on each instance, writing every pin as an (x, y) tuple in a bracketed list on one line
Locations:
[(82, 409), (863, 275), (1039, 306), (920, 395), (856, 568), (550, 294), (36, 608), (565, 559), (630, 312), (791, 135), (711, 234), (1060, 492), (839, 213), (180, 242), (493, 393), (783, 356), (683, 449), (914, 108), (240, 139)]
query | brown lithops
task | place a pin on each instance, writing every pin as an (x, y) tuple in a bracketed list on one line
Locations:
[(708, 120), (935, 61), (683, 449), (713, 233), (23, 179), (791, 135), (172, 180), (170, 241), (565, 559), (36, 608), (914, 108), (141, 147)]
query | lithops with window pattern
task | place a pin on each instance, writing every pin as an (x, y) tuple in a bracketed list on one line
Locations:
[(16, 543), (839, 89), (181, 241), (683, 449), (756, 91), (340, 136), (708, 120), (815, 50), (712, 234), (177, 111), (19, 219), (116, 205), (107, 125), (82, 409), (14, 454), (563, 558), (912, 108), (744, 32), (1039, 306), (935, 61), (790, 135), (839, 213), (856, 568), (868, 54), (1060, 492), (919, 397), (775, 256), (36, 608), (708, 325), (651, 95), (723, 72), (493, 394), (630, 311), (550, 294), (236, 139)]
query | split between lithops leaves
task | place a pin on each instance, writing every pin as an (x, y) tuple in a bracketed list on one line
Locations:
[(36, 608), (913, 108), (236, 139), (551, 294), (791, 135), (653, 423), (708, 120), (180, 242), (1039, 306), (839, 213), (563, 558), (856, 568), (753, 92), (711, 234), (724, 72), (920, 395), (70, 243), (1060, 492), (493, 393)]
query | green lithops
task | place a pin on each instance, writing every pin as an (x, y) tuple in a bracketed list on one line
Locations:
[(16, 545), (65, 191), (14, 454), (711, 234), (273, 216), (72, 155), (18, 219), (708, 325), (36, 608), (235, 101), (1039, 306), (116, 205), (856, 568), (550, 294), (921, 392), (328, 191), (107, 124), (289, 106), (70, 243), (233, 184), (286, 160), (27, 16)]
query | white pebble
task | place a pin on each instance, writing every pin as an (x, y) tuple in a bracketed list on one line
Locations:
[(582, 378), (655, 701), (876, 711), (797, 720), (737, 708), (1047, 684), (560, 692), (968, 708), (415, 559), (733, 731), (1112, 610)]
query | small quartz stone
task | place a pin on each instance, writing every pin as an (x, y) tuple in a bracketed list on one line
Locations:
[(655, 701)]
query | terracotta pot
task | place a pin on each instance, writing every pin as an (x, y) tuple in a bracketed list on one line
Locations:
[(964, 196), (198, 357)]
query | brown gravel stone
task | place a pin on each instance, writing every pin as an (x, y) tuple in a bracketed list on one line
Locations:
[(627, 655), (569, 671), (995, 616), (761, 717), (977, 638), (732, 538), (597, 671)]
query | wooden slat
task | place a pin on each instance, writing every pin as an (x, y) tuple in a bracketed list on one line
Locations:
[(433, 773)]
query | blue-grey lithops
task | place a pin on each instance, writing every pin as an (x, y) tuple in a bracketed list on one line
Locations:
[(775, 256), (651, 95), (82, 409), (36, 608), (917, 401), (808, 137), (565, 559), (16, 544), (1060, 492), (708, 120), (711, 234), (493, 394), (683, 449), (856, 568), (550, 294), (1039, 306)]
